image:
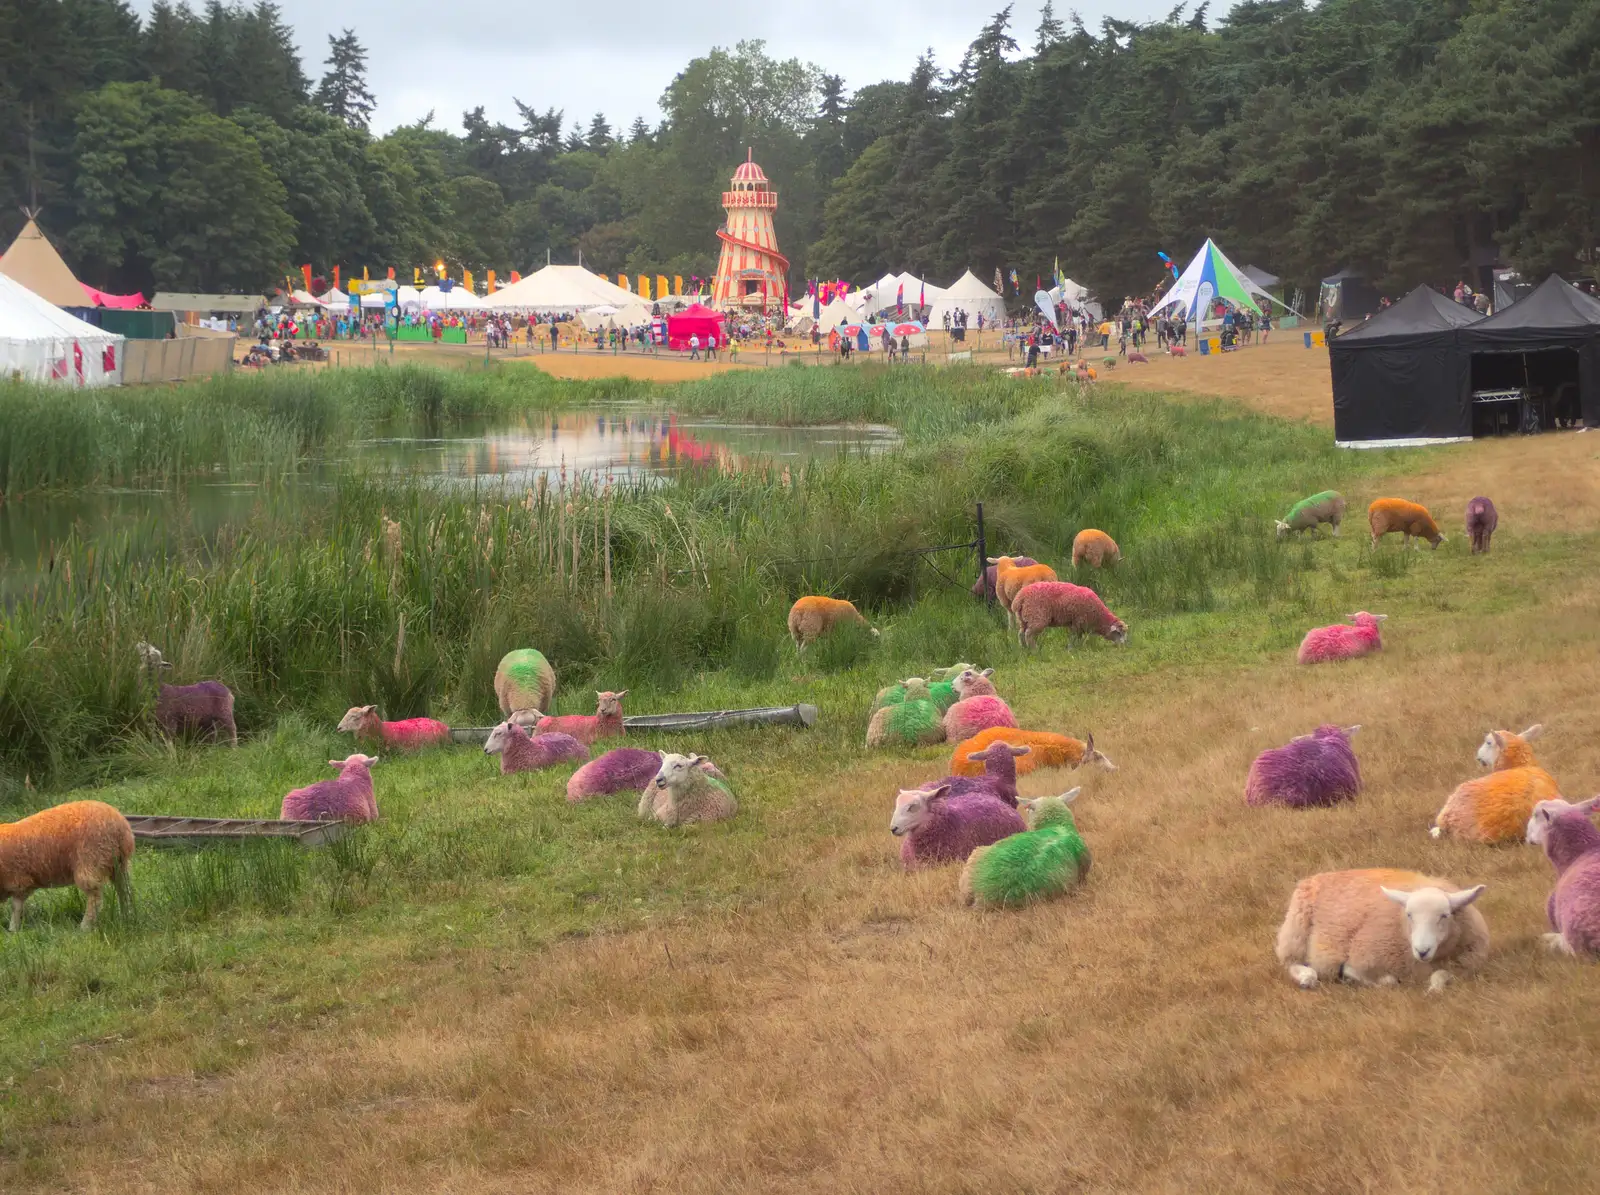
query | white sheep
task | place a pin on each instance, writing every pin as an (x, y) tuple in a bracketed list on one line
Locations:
[(1349, 925), (683, 792)]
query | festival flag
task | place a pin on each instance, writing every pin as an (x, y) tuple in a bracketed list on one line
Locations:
[(335, 277), (677, 285), (491, 282), (515, 277), (644, 286), (366, 275), (305, 270), (1015, 285), (661, 286), (900, 296), (816, 299), (466, 279), (391, 272), (922, 297), (416, 277), (77, 360), (999, 283), (622, 281)]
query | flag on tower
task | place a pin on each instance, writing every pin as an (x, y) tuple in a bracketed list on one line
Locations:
[(999, 283)]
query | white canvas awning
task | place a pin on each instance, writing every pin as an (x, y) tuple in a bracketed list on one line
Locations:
[(39, 342)]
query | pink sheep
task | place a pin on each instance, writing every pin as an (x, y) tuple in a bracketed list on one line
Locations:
[(605, 722), (1572, 844), (1137, 358), (969, 682), (520, 752), (346, 798), (1062, 604), (1342, 642), (203, 709), (410, 734), (971, 714), (939, 828)]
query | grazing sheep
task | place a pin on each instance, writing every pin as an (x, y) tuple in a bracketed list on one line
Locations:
[(81, 844), (1094, 548), (1572, 844), (524, 680), (684, 791), (999, 760), (1310, 513), (1482, 519), (605, 722), (520, 752), (1047, 860), (911, 723), (1062, 604), (1495, 808), (1408, 518), (1346, 925), (938, 827), (1316, 769), (913, 688), (1177, 350), (810, 618), (971, 714), (1343, 642), (969, 682), (1011, 579), (1135, 357), (346, 798), (204, 709), (1048, 751), (983, 588), (409, 734), (625, 769)]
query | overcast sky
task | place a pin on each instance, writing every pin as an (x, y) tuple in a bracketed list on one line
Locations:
[(619, 57)]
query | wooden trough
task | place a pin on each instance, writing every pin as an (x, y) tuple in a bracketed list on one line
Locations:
[(803, 716), (193, 831)]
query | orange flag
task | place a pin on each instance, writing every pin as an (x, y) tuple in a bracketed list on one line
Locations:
[(416, 277), (335, 277), (516, 277), (306, 270), (644, 286), (491, 282), (622, 281), (391, 273), (661, 286), (677, 285), (466, 278)]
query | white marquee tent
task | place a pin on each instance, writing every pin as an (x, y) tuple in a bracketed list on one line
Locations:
[(39, 342), (457, 298), (407, 298), (971, 296), (335, 298), (561, 288)]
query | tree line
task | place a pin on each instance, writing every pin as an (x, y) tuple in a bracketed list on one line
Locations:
[(1407, 139)]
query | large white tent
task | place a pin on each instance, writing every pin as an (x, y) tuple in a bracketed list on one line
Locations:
[(970, 295), (457, 298), (39, 342), (835, 314), (407, 298), (561, 288)]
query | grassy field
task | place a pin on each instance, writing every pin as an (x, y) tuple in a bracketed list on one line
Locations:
[(491, 990)]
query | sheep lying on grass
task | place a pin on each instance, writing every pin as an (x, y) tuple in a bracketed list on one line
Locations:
[(909, 724), (81, 844), (1572, 844), (409, 734), (1047, 860), (969, 682), (1048, 751), (524, 680), (935, 826), (971, 714), (1495, 808), (1380, 926), (999, 760), (1310, 513), (624, 770), (1077, 608), (520, 752), (204, 709), (1314, 769), (684, 792), (348, 797), (913, 688), (1343, 642), (605, 722), (810, 618), (1408, 518)]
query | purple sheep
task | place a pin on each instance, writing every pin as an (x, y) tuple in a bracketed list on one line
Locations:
[(999, 777), (204, 710), (1063, 604), (1482, 519), (1316, 769), (346, 798), (624, 770), (1572, 844), (983, 588), (520, 752), (939, 828)]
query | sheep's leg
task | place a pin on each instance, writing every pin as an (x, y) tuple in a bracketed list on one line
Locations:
[(1336, 531), (1558, 944), (16, 912), (647, 800), (91, 907), (1356, 976), (1303, 975)]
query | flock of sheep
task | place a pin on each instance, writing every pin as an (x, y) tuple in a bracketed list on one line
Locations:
[(1370, 926)]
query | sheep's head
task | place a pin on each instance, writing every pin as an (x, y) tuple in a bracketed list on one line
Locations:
[(1044, 811), (1001, 563), (1502, 749), (1430, 912), (1283, 527), (913, 807), (998, 750), (916, 689), (365, 761), (1090, 755), (1117, 632), (528, 719), (500, 737), (1546, 812), (676, 770), (1436, 539), (358, 718), (151, 656), (609, 705), (970, 681)]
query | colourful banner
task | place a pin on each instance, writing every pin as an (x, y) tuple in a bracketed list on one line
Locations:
[(416, 277), (677, 284), (391, 273), (622, 281), (466, 279), (644, 286), (491, 282), (335, 277), (305, 270), (661, 286), (515, 277)]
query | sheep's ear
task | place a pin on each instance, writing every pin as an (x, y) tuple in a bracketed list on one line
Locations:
[(621, 695), (1027, 802), (1533, 731), (1019, 751), (369, 709), (1397, 896), (987, 672), (694, 759), (1585, 806), (1381, 617), (992, 559), (1499, 737), (1071, 795), (939, 793), (1350, 730), (1460, 900), (1088, 743), (336, 763)]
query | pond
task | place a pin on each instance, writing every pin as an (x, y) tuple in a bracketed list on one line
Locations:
[(620, 441)]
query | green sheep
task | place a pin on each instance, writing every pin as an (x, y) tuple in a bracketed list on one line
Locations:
[(947, 674), (1044, 861), (913, 688), (1310, 513), (911, 723)]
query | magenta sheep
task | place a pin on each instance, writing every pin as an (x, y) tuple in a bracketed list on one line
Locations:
[(1572, 844), (605, 722), (999, 777), (408, 734), (1482, 519), (1342, 641), (983, 587), (520, 752), (1315, 769), (1062, 604), (939, 828), (346, 798), (971, 714), (204, 709)]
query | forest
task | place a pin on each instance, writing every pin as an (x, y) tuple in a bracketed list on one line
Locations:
[(1407, 139)]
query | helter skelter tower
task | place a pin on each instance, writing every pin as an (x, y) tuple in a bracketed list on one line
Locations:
[(751, 274)]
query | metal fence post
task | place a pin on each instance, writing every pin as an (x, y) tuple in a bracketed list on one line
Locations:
[(983, 562)]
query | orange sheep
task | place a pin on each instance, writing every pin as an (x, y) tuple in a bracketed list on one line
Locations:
[(81, 843), (1047, 751), (1495, 808), (1010, 579), (1408, 518), (1094, 548), (812, 617)]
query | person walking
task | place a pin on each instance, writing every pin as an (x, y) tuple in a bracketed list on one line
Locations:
[(694, 346)]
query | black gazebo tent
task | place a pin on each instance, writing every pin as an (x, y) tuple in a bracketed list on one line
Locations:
[(1403, 375), (1556, 330)]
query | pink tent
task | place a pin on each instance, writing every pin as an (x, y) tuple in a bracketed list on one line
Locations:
[(100, 298), (695, 321)]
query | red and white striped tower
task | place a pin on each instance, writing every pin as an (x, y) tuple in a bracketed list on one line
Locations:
[(751, 275)]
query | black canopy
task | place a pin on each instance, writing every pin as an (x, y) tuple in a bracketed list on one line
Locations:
[(1403, 375), (1556, 315)]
